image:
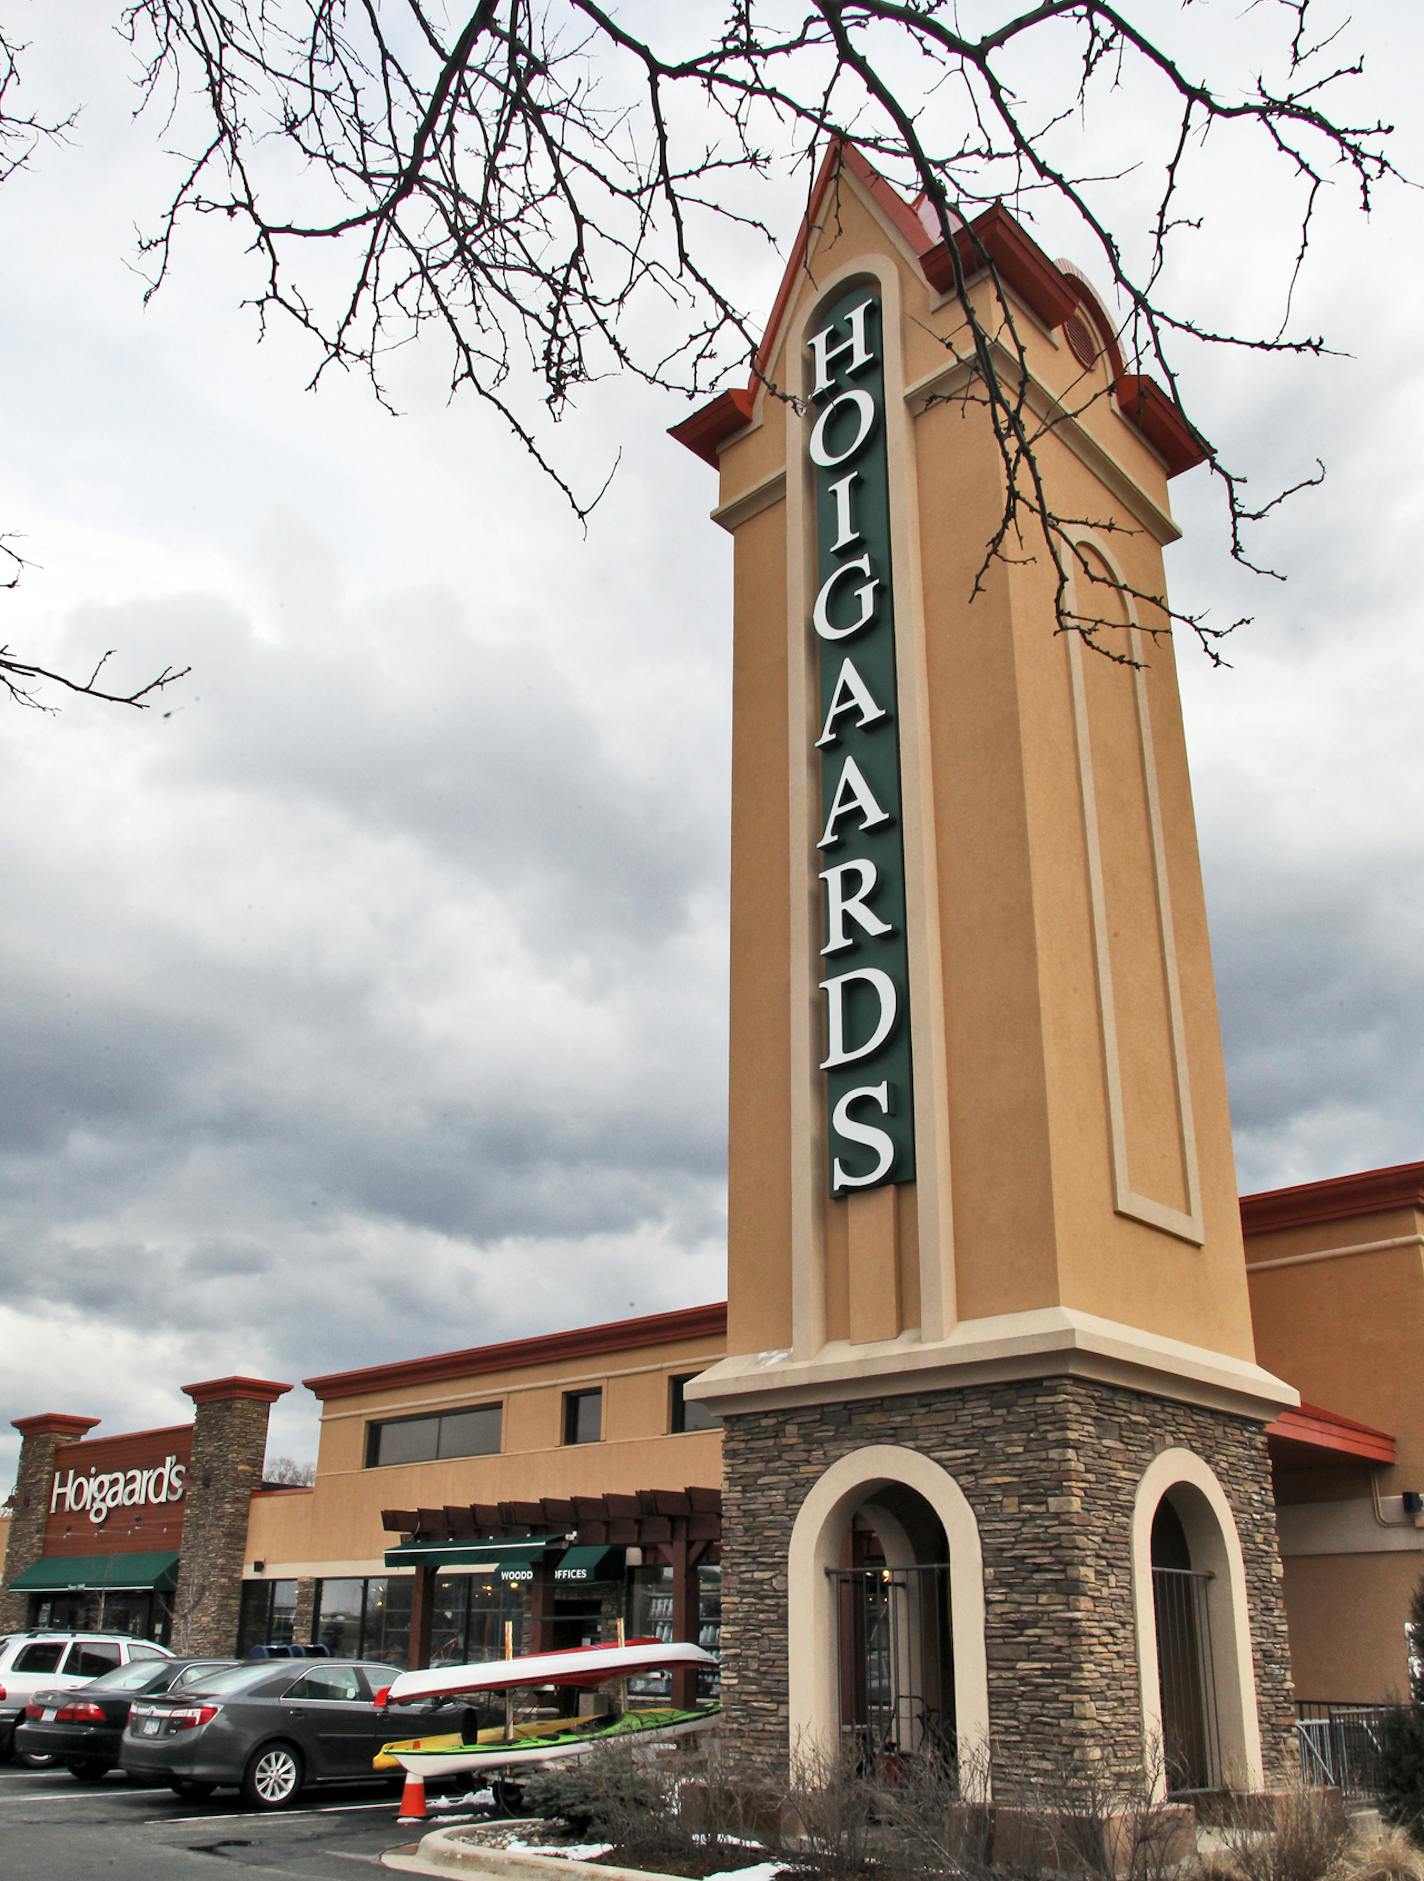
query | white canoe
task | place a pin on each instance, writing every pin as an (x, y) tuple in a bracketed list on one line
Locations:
[(579, 1665)]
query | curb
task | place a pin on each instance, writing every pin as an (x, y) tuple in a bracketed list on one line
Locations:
[(448, 1852)]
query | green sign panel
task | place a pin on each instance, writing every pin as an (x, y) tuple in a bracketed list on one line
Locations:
[(865, 987)]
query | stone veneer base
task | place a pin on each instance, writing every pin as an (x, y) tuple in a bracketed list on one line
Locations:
[(1050, 1468)]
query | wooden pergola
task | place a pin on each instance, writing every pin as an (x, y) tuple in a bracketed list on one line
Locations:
[(676, 1528)]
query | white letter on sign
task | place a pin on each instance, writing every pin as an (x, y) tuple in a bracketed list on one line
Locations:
[(865, 594), (852, 793), (850, 694), (864, 407), (866, 1133), (839, 493), (840, 904), (824, 352), (834, 990)]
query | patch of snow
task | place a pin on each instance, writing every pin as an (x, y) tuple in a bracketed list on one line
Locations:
[(571, 1851)]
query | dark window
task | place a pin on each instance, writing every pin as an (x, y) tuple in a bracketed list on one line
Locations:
[(650, 1616), (43, 1658), (339, 1607), (473, 1431), (338, 1682), (386, 1632), (583, 1416), (90, 1657), (268, 1615), (365, 1619), (470, 1611), (685, 1413)]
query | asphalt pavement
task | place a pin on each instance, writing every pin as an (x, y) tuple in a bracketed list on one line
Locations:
[(54, 1829)]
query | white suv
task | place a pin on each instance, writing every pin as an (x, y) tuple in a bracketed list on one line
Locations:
[(30, 1662)]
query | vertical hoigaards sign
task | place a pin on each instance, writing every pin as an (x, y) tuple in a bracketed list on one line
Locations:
[(865, 983)]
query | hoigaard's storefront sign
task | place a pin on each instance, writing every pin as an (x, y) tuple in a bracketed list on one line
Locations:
[(97, 1493), (123, 1494), (869, 1090)]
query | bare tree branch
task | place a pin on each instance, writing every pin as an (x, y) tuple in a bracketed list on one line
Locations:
[(21, 135), (20, 679), (545, 186)]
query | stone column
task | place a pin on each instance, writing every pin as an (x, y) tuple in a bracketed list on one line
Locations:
[(41, 1437), (304, 1618), (1050, 1468), (229, 1443)]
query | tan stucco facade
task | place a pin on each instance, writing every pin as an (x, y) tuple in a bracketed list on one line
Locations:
[(1073, 1146), (335, 1527), (1336, 1271)]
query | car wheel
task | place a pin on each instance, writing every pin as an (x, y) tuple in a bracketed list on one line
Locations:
[(192, 1789), (88, 1769), (33, 1759), (272, 1777)]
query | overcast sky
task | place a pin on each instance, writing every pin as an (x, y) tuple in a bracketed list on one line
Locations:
[(367, 997)]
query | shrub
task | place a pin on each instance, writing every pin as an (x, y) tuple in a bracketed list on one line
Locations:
[(1387, 1857), (1294, 1834), (612, 1795), (1401, 1762), (1400, 1769)]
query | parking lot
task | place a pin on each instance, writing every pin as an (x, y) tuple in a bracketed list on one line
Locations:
[(54, 1829)]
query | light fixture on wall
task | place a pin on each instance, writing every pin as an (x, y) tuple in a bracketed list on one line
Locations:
[(259, 1567), (1414, 1506)]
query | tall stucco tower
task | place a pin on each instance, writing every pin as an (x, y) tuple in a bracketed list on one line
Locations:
[(995, 1459)]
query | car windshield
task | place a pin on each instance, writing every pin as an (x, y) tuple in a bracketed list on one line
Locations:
[(247, 1678), (201, 1673), (141, 1675)]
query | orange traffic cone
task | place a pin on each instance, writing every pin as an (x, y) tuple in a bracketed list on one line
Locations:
[(412, 1807)]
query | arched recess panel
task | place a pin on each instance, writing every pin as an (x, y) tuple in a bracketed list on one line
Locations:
[(866, 1479), (1206, 1528)]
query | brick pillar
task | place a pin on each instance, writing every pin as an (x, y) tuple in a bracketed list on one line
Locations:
[(229, 1443), (41, 1437), (304, 1618)]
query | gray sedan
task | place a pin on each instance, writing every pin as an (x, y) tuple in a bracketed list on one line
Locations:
[(269, 1729)]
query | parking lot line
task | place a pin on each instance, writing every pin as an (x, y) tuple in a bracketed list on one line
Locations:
[(8, 1795), (282, 1815)]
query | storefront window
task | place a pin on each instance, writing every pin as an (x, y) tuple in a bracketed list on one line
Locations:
[(338, 1617), (267, 1616), (141, 1614), (650, 1617), (470, 1612), (386, 1633)]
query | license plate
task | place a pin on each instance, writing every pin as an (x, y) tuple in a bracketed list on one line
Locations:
[(150, 1727), (47, 1717)]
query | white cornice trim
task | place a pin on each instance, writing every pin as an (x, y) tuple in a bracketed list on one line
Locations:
[(1047, 1342), (761, 495), (1335, 1253)]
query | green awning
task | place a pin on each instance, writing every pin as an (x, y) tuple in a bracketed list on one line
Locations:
[(518, 1564), (510, 1560), (589, 1564), (58, 1573)]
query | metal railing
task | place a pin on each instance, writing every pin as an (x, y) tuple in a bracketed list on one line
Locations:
[(1339, 1744), (1191, 1727), (894, 1661)]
